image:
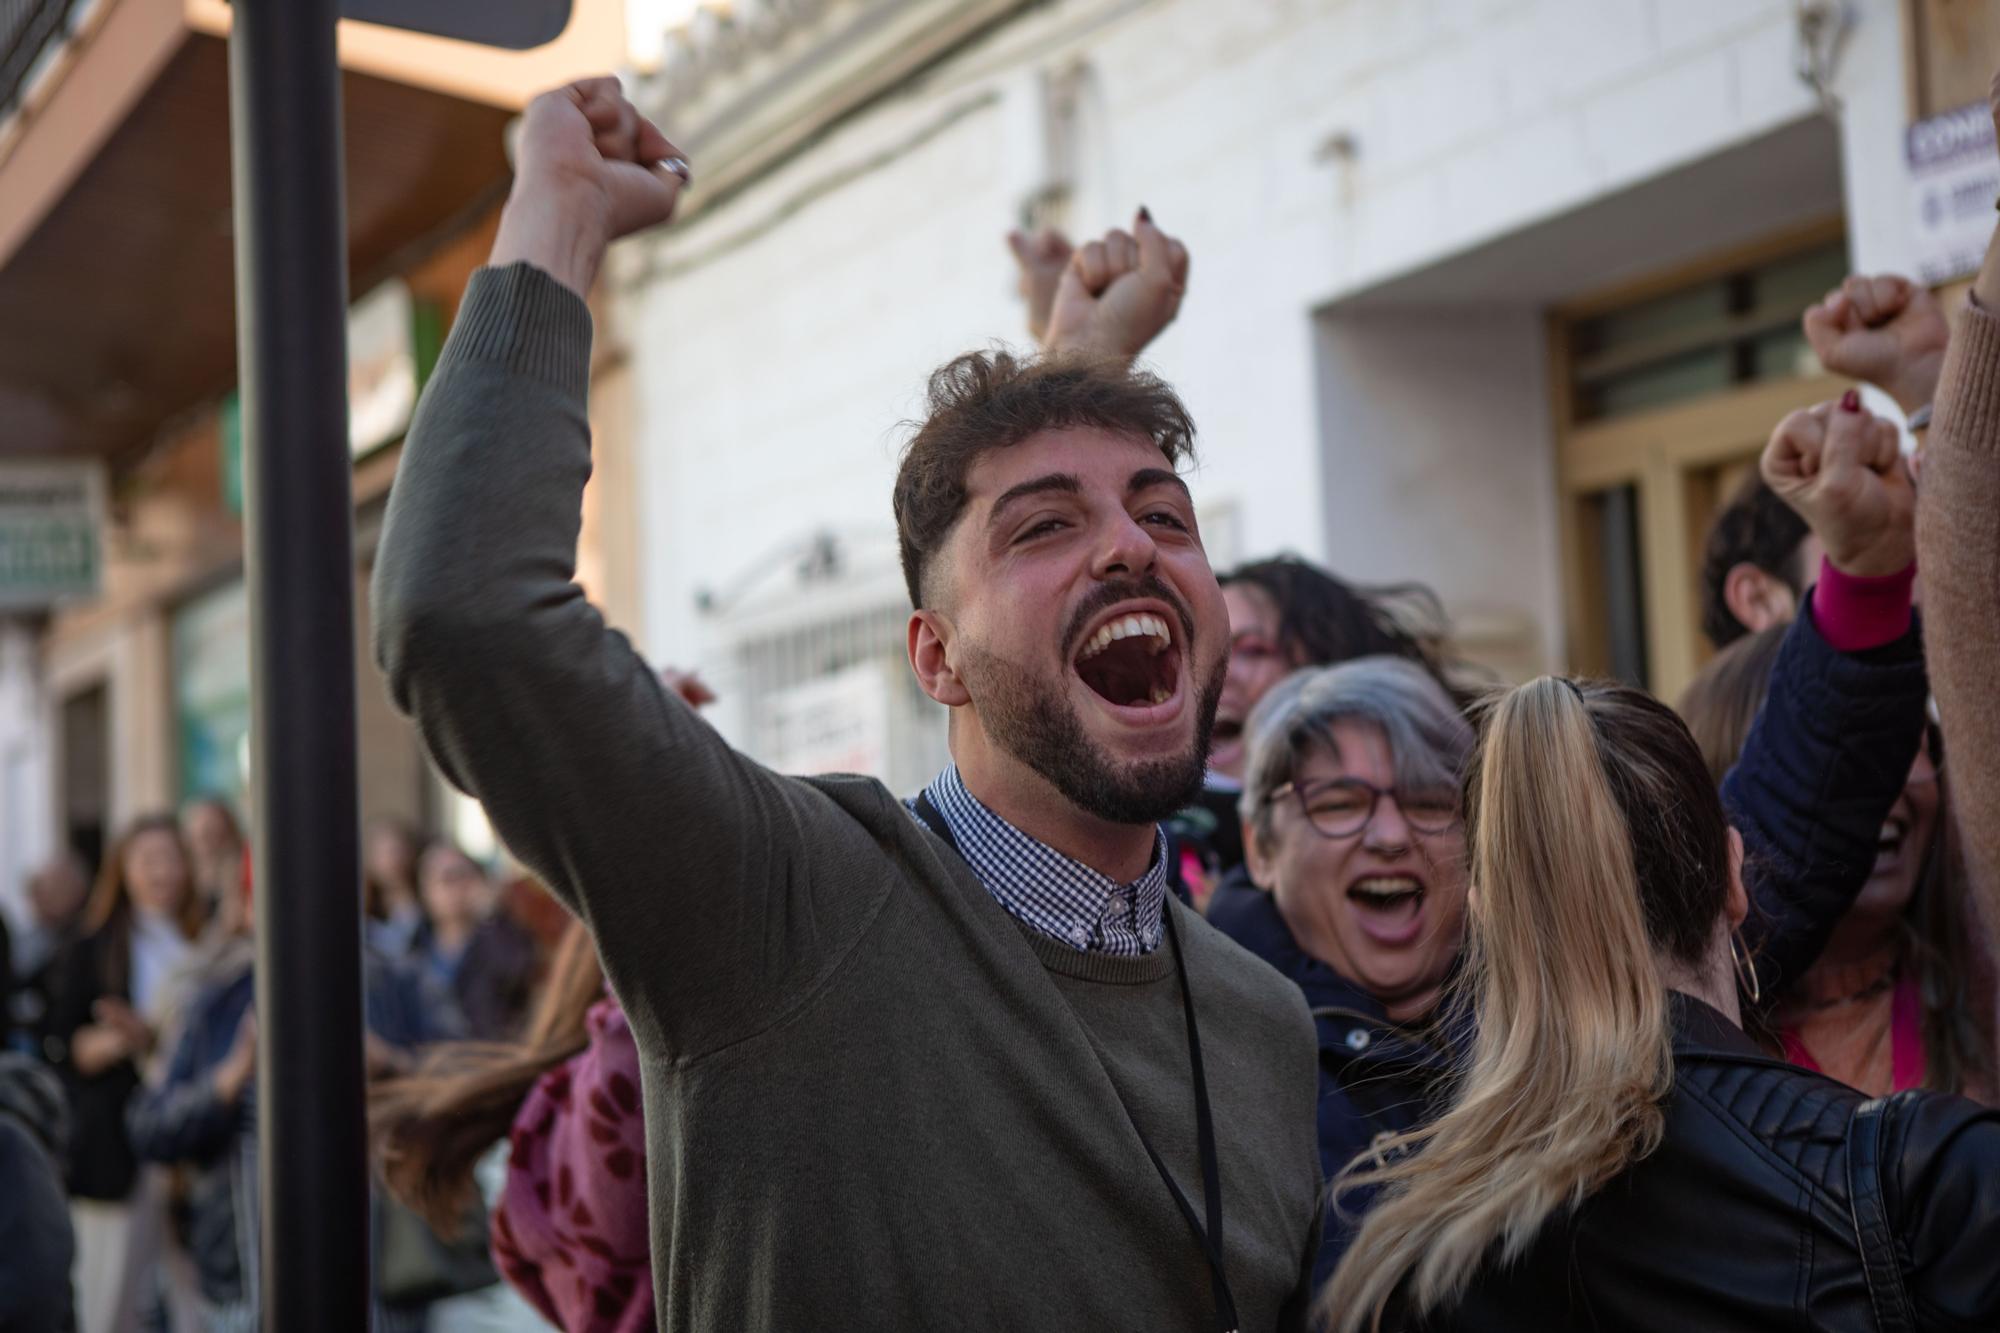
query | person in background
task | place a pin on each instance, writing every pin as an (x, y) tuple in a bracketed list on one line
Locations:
[(37, 1245), (215, 842), (1351, 805), (566, 1098), (1756, 564), (390, 902), (1901, 997), (482, 958), (1286, 614), (201, 1115), (56, 894), (138, 927), (1619, 1154)]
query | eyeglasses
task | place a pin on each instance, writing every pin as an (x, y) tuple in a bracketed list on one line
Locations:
[(1342, 807)]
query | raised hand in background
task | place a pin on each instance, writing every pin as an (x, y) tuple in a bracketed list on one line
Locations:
[(1841, 467), (1117, 294), (1043, 258), (1887, 331)]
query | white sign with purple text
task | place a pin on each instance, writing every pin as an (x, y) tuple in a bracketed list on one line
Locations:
[(1954, 181)]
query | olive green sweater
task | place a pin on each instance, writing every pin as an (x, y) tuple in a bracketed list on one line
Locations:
[(872, 1100)]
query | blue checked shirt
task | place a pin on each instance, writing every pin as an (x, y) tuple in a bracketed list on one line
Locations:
[(1053, 895)]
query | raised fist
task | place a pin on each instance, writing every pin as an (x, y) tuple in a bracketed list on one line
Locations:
[(690, 687), (1886, 330), (588, 169), (1043, 258), (1118, 293), (1842, 469)]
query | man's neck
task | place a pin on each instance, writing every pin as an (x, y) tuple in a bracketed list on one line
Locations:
[(1025, 799)]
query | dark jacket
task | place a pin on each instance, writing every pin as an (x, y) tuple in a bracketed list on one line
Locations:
[(1743, 1220), (493, 982), (101, 1164), (37, 1246), (1824, 763), (1375, 1077), (183, 1121)]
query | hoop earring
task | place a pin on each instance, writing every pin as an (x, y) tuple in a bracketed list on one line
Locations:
[(1746, 972)]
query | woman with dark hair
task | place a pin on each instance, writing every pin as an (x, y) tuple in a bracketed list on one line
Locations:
[(1286, 614), (569, 1231), (216, 845), (1619, 1154), (100, 1025), (1901, 996)]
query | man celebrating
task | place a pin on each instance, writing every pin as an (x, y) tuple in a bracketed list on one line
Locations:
[(960, 1064)]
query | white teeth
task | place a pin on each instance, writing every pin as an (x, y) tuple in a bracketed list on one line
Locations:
[(1387, 886), (1127, 627)]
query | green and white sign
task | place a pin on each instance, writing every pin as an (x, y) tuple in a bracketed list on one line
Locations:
[(51, 526)]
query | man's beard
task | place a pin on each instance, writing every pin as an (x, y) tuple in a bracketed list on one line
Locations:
[(1033, 719)]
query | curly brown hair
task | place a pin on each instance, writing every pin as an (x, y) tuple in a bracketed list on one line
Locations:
[(989, 400)]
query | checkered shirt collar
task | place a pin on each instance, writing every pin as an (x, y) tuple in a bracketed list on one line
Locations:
[(1052, 894)]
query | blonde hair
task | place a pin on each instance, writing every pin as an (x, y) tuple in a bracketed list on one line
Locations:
[(1587, 863)]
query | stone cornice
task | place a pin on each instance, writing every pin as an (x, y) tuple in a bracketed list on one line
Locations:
[(741, 90)]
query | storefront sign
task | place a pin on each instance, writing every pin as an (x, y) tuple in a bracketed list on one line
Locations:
[(1954, 181), (51, 521)]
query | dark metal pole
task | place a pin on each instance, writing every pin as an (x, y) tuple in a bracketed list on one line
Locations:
[(291, 302)]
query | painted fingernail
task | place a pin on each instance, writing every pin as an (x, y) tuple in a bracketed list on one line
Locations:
[(1851, 401), (679, 166), (1145, 213)]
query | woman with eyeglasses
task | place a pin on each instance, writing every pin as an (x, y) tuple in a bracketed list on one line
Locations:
[(1351, 826)]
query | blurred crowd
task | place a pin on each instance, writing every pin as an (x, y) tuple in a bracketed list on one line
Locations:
[(1476, 892)]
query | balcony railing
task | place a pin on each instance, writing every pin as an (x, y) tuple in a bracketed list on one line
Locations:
[(29, 31)]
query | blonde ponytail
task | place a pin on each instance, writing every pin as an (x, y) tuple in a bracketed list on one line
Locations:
[(1572, 1058)]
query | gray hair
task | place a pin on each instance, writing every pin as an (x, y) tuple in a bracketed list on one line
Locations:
[(1429, 739)]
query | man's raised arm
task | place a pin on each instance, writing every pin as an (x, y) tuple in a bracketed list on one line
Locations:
[(685, 859)]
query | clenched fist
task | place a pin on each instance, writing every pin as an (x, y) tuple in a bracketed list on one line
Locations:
[(1043, 258), (1118, 293), (588, 170), (1886, 330), (1842, 469)]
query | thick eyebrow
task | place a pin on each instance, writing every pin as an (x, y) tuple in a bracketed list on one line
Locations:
[(1063, 482), (1146, 478)]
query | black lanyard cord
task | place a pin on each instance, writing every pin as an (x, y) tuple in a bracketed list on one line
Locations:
[(1209, 1238)]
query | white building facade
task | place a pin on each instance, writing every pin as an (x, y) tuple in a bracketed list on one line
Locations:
[(1495, 295)]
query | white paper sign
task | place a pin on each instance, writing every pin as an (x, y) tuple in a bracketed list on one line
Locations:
[(51, 518), (1954, 181), (838, 723)]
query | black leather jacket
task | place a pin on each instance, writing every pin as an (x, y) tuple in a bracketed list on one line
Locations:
[(1743, 1219)]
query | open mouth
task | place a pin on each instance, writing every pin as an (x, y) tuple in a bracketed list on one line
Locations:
[(1391, 906), (1228, 730), (1131, 661), (1889, 845)]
